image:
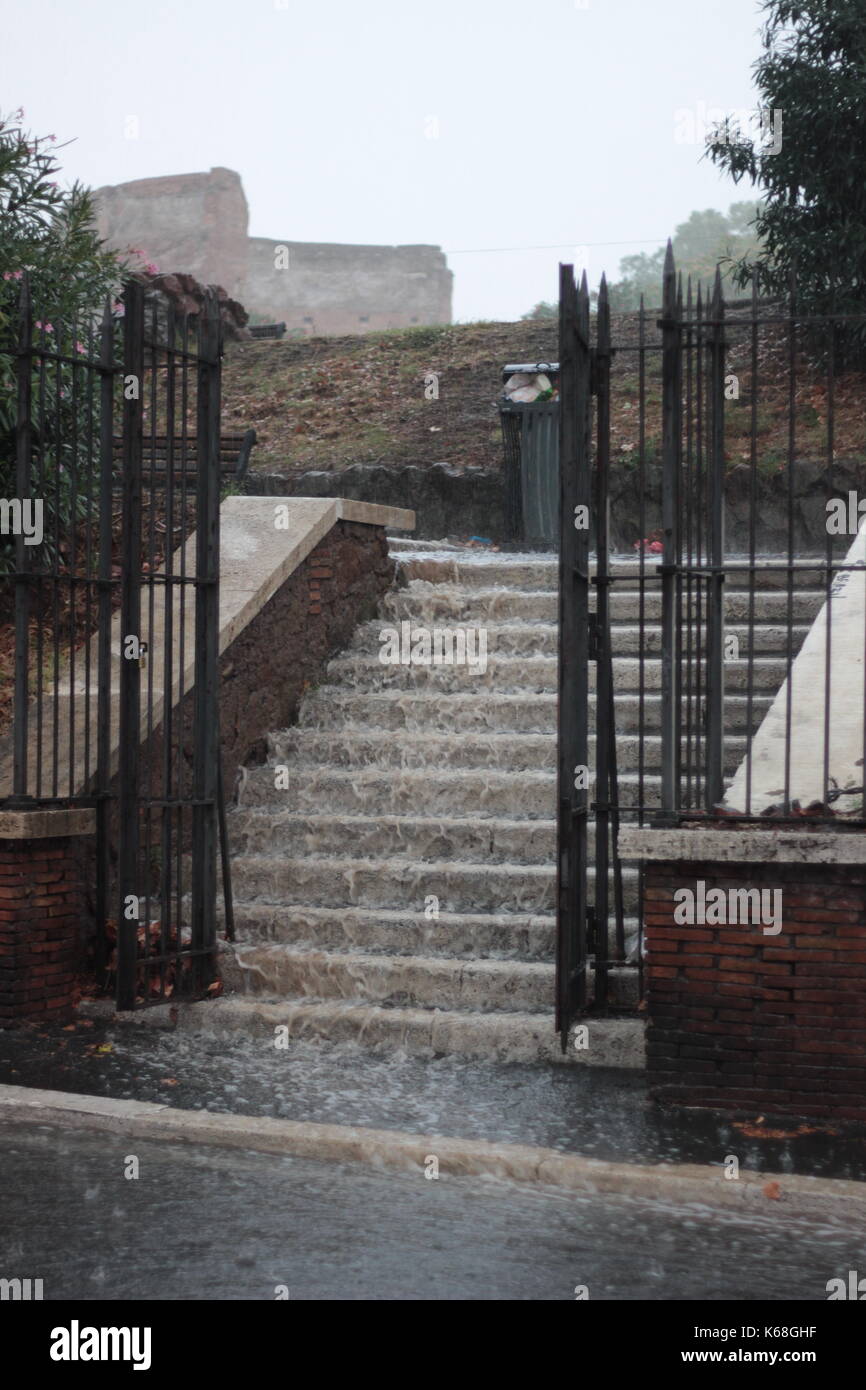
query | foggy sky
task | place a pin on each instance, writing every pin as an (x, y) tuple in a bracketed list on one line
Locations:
[(472, 124)]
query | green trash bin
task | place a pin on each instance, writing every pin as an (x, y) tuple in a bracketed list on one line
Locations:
[(530, 437)]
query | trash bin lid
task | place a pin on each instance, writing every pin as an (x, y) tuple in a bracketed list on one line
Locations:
[(531, 368)]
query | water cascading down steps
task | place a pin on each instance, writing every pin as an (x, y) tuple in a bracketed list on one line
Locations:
[(394, 861)]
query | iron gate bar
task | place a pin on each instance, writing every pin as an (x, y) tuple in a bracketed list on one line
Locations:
[(103, 660), (753, 539), (606, 707), (603, 696), (206, 748), (228, 898), (24, 449), (715, 783), (129, 760), (789, 655), (669, 569), (604, 713), (572, 736), (641, 709), (167, 811), (831, 388)]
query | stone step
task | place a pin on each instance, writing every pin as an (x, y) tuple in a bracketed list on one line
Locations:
[(390, 931), (301, 748), (331, 707), (536, 571), (527, 795), (399, 544), (483, 571), (462, 792), (503, 841), (425, 982), (536, 673), (529, 936), (430, 603), (413, 982), (542, 639), (406, 884), (500, 1037)]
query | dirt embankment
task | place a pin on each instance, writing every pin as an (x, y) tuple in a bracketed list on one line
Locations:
[(326, 403)]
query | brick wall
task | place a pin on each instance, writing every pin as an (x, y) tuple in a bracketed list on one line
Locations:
[(264, 673), (745, 1021), (43, 909)]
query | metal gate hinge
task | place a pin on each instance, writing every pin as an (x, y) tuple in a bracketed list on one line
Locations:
[(594, 633), (591, 930)]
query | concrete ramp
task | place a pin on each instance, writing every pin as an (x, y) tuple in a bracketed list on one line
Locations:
[(256, 558), (826, 692)]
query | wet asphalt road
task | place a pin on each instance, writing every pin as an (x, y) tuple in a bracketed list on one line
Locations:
[(200, 1223)]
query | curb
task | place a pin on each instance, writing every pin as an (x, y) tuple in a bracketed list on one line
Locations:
[(522, 1163)]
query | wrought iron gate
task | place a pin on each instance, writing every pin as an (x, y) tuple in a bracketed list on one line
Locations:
[(574, 651), (584, 909), (701, 687), (116, 612)]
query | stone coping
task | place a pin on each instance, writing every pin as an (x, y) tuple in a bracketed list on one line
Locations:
[(47, 823), (748, 845)]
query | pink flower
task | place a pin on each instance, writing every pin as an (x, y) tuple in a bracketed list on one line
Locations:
[(150, 268), (46, 327), (79, 347), (12, 274)]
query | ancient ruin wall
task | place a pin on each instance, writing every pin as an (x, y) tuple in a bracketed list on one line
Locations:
[(347, 289), (197, 224), (193, 223)]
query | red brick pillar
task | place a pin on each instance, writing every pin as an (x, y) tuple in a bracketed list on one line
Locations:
[(43, 915), (743, 1020)]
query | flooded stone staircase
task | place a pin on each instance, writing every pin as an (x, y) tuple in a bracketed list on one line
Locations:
[(394, 861)]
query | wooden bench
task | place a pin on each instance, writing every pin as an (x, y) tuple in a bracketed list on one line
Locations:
[(267, 330), (234, 454)]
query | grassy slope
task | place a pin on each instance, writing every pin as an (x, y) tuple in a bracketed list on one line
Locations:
[(330, 402), (326, 403)]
